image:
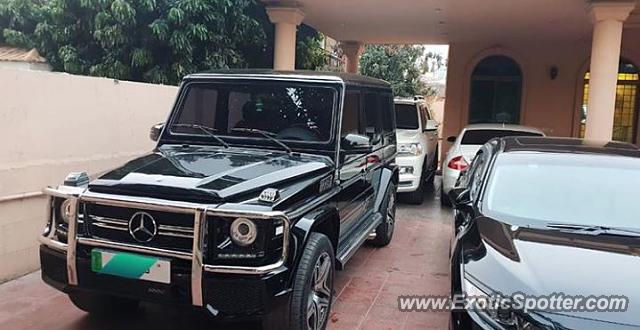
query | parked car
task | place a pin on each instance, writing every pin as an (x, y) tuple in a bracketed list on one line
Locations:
[(465, 146), (261, 184), (541, 216), (417, 132)]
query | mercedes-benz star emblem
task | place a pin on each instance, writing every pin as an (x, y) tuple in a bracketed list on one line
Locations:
[(142, 227)]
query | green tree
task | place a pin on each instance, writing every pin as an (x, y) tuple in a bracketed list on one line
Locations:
[(156, 41), (397, 64)]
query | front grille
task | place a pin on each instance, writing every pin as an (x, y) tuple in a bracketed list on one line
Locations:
[(174, 231)]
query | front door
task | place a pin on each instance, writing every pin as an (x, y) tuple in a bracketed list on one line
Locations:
[(356, 187)]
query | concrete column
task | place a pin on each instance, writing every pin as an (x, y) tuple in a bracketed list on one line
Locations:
[(286, 21), (352, 50), (608, 18)]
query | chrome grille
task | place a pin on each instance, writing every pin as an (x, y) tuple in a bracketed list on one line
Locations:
[(174, 230)]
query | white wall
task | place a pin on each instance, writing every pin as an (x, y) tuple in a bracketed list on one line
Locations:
[(55, 123)]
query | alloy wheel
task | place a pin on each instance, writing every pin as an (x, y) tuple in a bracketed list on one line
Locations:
[(391, 214), (320, 293)]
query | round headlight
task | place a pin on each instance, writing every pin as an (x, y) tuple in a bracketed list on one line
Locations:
[(65, 211), (243, 231)]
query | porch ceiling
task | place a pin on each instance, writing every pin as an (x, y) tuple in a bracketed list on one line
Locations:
[(447, 21)]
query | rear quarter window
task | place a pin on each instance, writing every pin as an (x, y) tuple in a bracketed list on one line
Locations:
[(482, 136)]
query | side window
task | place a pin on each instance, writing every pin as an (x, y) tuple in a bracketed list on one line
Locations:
[(350, 114), (373, 116), (388, 114)]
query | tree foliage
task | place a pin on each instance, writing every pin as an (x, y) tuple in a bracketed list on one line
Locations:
[(397, 64), (156, 41)]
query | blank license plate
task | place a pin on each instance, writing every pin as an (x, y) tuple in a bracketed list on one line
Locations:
[(129, 265)]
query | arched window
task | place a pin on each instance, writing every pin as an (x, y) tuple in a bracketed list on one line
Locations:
[(625, 118), (496, 91)]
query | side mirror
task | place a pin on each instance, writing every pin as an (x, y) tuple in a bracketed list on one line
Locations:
[(461, 199), (451, 139), (355, 142), (432, 125), (156, 130)]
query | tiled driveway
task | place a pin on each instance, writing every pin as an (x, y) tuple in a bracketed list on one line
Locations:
[(416, 263)]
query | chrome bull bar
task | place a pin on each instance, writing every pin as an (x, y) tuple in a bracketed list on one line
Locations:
[(200, 224)]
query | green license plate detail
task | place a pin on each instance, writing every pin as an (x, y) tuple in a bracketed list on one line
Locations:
[(129, 265)]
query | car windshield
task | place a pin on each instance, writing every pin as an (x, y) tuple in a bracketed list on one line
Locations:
[(285, 111), (482, 136), (406, 116), (594, 190)]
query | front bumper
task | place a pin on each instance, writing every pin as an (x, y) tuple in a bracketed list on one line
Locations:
[(410, 182), (226, 291), (224, 295)]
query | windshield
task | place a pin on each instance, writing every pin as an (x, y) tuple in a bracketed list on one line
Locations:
[(406, 116), (285, 111), (482, 136), (596, 190)]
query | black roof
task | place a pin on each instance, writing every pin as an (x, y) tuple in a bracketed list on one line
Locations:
[(568, 145), (316, 76)]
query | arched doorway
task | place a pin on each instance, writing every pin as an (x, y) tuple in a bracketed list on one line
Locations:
[(496, 91), (625, 120)]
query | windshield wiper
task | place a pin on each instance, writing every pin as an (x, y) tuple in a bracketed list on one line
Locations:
[(207, 130), (266, 134), (593, 229)]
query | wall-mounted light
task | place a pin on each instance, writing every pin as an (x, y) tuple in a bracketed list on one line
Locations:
[(553, 72)]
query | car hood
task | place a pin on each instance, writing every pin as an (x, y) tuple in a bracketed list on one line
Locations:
[(209, 174), (510, 259), (408, 135)]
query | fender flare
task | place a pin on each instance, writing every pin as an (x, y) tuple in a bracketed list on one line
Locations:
[(307, 224), (388, 175)]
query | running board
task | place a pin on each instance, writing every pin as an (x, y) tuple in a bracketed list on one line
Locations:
[(361, 235)]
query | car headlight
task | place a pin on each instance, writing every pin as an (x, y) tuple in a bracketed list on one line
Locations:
[(487, 307), (65, 210), (414, 149), (243, 232)]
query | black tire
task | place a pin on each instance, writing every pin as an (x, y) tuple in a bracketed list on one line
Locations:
[(308, 295), (444, 199), (416, 197), (103, 305), (384, 231), (433, 169)]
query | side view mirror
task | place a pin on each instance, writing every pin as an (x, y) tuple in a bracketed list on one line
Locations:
[(451, 139), (154, 133), (461, 199), (355, 142), (432, 125)]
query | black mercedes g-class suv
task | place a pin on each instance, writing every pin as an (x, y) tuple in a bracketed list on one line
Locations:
[(262, 184)]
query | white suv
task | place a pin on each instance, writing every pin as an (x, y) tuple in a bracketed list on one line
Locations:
[(417, 133)]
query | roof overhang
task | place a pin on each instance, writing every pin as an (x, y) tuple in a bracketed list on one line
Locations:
[(446, 21)]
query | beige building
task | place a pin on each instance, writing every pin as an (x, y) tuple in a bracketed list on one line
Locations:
[(569, 67)]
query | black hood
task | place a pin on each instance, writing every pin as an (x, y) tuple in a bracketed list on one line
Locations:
[(512, 259), (206, 174)]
